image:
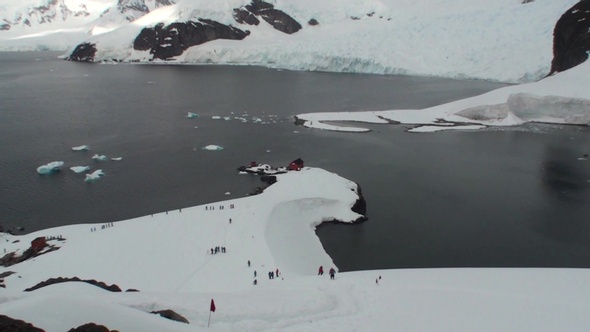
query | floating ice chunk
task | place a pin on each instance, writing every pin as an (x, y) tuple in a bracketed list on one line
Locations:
[(216, 117), (150, 82), (226, 118), (192, 115), (242, 172), (94, 175), (52, 167), (228, 193), (117, 158), (79, 169), (295, 132), (81, 148), (213, 147), (256, 120), (99, 157)]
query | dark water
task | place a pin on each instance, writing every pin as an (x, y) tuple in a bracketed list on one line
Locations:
[(510, 197)]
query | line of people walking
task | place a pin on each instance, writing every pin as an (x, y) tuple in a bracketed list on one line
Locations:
[(332, 272)]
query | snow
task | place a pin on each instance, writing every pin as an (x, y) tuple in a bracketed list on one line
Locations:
[(49, 168), (166, 257), (422, 37), (562, 99)]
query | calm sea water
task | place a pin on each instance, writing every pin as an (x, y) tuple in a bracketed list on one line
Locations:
[(508, 197)]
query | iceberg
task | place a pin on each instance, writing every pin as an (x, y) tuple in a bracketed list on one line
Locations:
[(52, 167), (99, 157), (191, 115), (79, 169), (94, 175), (81, 148), (213, 147)]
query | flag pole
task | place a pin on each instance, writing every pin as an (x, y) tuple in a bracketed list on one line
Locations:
[(209, 322)]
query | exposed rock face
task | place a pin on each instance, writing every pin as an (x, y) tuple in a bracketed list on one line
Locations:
[(84, 52), (165, 42), (278, 19), (52, 281), (243, 16), (360, 206), (8, 324), (90, 327), (170, 314), (571, 38)]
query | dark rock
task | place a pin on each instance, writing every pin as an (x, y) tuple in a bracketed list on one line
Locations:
[(571, 38), (8, 324), (360, 206), (90, 327), (313, 22), (243, 16), (84, 52), (132, 290), (170, 314), (278, 19), (165, 42), (5, 26), (53, 281)]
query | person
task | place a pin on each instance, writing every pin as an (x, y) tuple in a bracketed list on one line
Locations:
[(255, 282), (332, 273), (277, 272), (254, 273), (248, 263), (321, 270)]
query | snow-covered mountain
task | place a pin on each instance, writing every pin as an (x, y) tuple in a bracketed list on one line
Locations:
[(502, 40)]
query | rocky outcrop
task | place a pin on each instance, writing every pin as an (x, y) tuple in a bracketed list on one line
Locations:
[(243, 16), (53, 281), (571, 38), (165, 42), (8, 324), (172, 315), (84, 52), (277, 18), (90, 327)]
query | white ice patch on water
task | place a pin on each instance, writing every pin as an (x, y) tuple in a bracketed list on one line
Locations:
[(191, 115), (94, 175), (81, 148), (216, 117), (117, 158), (99, 157), (213, 147), (49, 168), (79, 169)]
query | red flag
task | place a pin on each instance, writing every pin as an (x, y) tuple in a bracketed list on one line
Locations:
[(212, 306)]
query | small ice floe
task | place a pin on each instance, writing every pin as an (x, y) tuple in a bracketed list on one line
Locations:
[(81, 148), (267, 150), (242, 172), (256, 120), (213, 147), (79, 169), (216, 117), (94, 175), (228, 193), (99, 157), (192, 115), (52, 167), (85, 75), (226, 118), (151, 82), (295, 132), (196, 127), (117, 158)]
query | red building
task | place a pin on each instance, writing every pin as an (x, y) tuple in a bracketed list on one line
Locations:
[(296, 165)]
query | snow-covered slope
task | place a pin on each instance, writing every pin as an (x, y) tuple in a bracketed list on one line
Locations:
[(503, 40), (167, 257), (563, 98)]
